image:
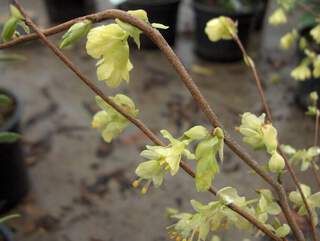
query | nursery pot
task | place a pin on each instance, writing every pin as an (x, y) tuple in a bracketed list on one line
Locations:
[(14, 182), (224, 50), (312, 84), (261, 14), (159, 11), (64, 10)]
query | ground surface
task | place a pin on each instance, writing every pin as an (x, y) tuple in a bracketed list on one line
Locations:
[(81, 186)]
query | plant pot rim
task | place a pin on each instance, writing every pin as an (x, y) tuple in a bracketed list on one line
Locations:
[(150, 2), (15, 116), (220, 11)]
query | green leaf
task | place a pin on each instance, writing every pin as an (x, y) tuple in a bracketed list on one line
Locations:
[(207, 165), (8, 137), (306, 20), (9, 29), (4, 100)]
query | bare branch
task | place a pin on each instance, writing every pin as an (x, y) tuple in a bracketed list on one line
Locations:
[(138, 123)]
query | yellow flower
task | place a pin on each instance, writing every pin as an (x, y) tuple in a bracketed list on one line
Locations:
[(109, 44), (303, 43), (316, 67), (110, 122), (288, 39), (278, 17), (131, 30), (315, 33), (302, 72), (221, 28), (100, 120)]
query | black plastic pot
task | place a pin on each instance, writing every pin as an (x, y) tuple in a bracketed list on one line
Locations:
[(64, 10), (225, 50), (261, 14), (14, 182), (159, 11)]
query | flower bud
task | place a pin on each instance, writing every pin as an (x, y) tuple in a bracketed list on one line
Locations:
[(75, 33), (15, 12), (276, 163), (9, 29), (314, 96), (218, 132)]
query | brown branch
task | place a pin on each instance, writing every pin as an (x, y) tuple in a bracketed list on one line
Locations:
[(316, 137), (157, 38), (132, 119), (269, 117)]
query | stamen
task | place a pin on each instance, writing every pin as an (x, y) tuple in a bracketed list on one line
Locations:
[(136, 183), (144, 190), (162, 162)]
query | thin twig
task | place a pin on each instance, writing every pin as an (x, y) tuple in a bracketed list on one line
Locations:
[(157, 38), (135, 121), (269, 117), (316, 137)]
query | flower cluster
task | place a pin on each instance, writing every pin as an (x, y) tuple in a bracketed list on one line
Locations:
[(110, 122), (109, 44), (16, 19), (302, 157), (259, 134), (163, 159), (215, 215), (313, 201)]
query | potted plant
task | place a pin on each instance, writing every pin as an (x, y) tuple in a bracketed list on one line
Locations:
[(311, 83), (242, 11), (63, 10), (160, 11), (306, 35), (272, 210), (14, 183)]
